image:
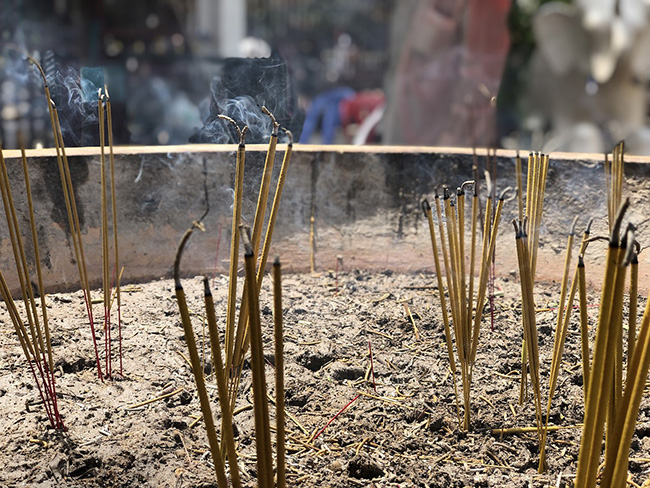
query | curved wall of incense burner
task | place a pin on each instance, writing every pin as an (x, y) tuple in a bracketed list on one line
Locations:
[(365, 201)]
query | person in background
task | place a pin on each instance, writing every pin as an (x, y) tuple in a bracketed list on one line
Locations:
[(326, 109)]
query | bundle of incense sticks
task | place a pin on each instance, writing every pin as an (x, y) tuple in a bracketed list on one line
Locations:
[(466, 313), (528, 319), (197, 370), (34, 338), (535, 189), (71, 207), (562, 324), (261, 410), (614, 176), (527, 239), (246, 331), (606, 405), (106, 128), (242, 334)]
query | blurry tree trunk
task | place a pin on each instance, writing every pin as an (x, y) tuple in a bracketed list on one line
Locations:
[(447, 57)]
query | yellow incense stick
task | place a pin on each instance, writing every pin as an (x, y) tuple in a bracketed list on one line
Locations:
[(279, 375), (260, 403)]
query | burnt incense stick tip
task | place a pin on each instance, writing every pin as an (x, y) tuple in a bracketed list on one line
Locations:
[(289, 135), (488, 184), (629, 245), (276, 126), (229, 119), (181, 248), (588, 228), (465, 184), (572, 230), (616, 229), (516, 226), (435, 193), (581, 261), (242, 136), (597, 238), (206, 287), (240, 132), (276, 261), (459, 192), (426, 208), (445, 192), (245, 232), (505, 191), (523, 225)]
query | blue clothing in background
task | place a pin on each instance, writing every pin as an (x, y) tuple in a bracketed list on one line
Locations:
[(327, 105)]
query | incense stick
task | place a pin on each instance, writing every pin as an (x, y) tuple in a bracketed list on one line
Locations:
[(529, 320), (104, 238), (443, 305), (222, 387), (279, 375), (70, 203), (116, 252), (260, 404), (601, 376), (584, 326), (234, 243), (37, 259), (36, 348), (617, 458), (465, 325), (634, 296), (558, 344), (204, 400), (520, 186), (241, 338)]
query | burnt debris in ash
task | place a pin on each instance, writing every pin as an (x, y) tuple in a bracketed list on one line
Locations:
[(239, 91)]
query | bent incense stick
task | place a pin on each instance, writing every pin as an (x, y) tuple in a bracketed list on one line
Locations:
[(195, 360), (222, 387)]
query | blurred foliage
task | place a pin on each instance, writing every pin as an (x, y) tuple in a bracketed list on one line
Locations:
[(522, 46)]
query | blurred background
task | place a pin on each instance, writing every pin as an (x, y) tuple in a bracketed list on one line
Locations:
[(529, 74)]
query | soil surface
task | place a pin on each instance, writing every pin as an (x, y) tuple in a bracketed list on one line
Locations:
[(399, 429)]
